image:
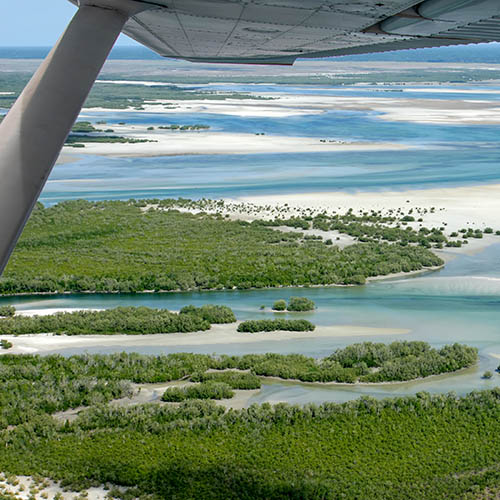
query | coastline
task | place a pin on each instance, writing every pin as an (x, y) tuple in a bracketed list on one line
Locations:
[(371, 384), (407, 108), (218, 334), (448, 208), (177, 143), (455, 207), (369, 279), (392, 276)]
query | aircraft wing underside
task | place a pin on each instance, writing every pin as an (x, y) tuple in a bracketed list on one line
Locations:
[(280, 31)]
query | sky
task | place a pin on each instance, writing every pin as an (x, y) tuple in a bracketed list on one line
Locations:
[(37, 23)]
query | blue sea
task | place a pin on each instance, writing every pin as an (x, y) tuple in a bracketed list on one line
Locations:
[(484, 52)]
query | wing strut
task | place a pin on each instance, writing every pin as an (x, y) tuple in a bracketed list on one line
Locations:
[(35, 129)]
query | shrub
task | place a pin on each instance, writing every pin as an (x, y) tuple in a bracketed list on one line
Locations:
[(487, 374), (120, 320), (211, 313), (205, 390), (7, 311), (5, 344), (300, 304), (279, 305), (272, 325), (235, 380)]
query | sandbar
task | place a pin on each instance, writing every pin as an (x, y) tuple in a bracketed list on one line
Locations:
[(175, 143), (408, 108), (217, 335), (455, 208)]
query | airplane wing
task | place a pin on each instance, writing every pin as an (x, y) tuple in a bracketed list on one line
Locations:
[(280, 31)]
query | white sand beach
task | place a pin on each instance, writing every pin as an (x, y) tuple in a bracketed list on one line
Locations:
[(406, 109), (174, 143), (22, 489), (460, 207), (403, 108), (51, 310), (218, 334)]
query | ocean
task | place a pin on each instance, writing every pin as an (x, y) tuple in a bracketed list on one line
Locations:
[(484, 52)]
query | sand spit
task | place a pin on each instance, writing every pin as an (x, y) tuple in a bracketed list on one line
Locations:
[(219, 334), (455, 208), (176, 143), (407, 108)]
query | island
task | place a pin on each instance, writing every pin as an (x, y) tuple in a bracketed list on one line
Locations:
[(158, 245)]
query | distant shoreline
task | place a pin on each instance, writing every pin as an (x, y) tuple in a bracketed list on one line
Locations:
[(370, 384), (235, 289)]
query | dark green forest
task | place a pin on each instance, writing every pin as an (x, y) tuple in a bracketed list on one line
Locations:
[(121, 246), (205, 390), (419, 447), (439, 447)]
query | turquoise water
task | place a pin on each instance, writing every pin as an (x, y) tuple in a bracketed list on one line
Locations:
[(233, 176), (460, 303), (440, 155)]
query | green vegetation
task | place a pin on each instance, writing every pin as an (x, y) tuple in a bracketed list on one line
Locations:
[(118, 246), (7, 311), (402, 360), (487, 374), (366, 362), (80, 139), (413, 447), (370, 227), (418, 447), (279, 305), (32, 385), (79, 136), (123, 96), (183, 128), (371, 74), (273, 325), (5, 344), (234, 379), (295, 304), (84, 128), (206, 390), (121, 320), (300, 304), (211, 313)]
